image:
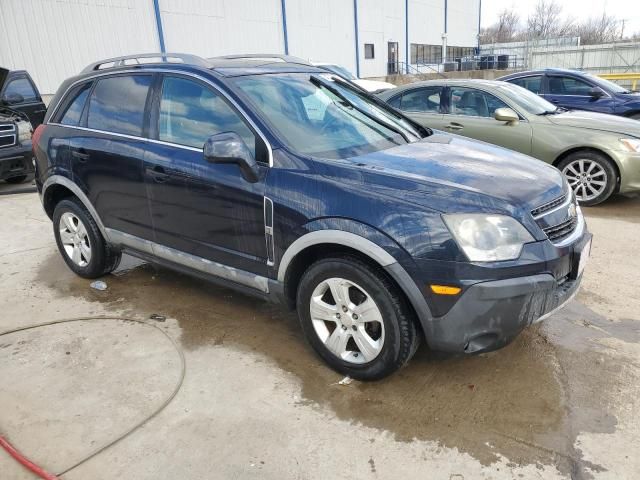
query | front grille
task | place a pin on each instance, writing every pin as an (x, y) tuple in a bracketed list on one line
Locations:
[(536, 212), (562, 230), (7, 135)]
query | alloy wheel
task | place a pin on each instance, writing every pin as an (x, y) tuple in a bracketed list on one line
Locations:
[(587, 178), (74, 239), (347, 320)]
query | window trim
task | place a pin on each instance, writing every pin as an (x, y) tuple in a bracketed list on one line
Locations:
[(159, 70), (69, 99), (154, 112)]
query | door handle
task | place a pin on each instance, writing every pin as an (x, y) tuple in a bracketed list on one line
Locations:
[(158, 173), (454, 126), (81, 154), (555, 101)]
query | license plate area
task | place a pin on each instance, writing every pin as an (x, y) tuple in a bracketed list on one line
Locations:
[(580, 260)]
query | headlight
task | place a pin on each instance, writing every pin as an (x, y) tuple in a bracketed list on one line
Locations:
[(632, 144), (488, 238), (24, 132)]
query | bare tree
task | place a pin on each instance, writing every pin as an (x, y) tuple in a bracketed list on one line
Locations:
[(546, 20), (601, 29), (504, 30)]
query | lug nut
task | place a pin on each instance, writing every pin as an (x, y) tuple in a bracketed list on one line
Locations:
[(338, 316), (355, 316), (354, 328), (344, 309), (344, 327)]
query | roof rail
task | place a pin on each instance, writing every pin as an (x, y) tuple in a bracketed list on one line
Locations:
[(135, 59), (264, 56)]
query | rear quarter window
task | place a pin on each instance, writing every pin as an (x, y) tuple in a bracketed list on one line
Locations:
[(117, 104), (74, 105)]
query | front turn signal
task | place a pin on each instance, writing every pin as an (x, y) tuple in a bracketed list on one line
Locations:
[(445, 290)]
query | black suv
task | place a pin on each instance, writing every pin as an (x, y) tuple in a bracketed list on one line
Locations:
[(292, 184), (21, 110)]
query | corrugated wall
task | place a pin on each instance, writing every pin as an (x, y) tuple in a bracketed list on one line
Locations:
[(322, 31), (380, 22), (54, 39), (462, 23), (220, 27)]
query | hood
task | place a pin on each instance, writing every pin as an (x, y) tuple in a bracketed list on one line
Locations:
[(374, 85), (472, 172), (597, 121)]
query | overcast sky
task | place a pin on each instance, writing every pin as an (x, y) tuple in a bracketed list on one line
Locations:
[(628, 10)]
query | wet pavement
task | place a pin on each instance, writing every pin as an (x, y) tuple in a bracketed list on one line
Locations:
[(547, 400)]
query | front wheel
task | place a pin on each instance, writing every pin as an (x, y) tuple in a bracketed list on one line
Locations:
[(591, 176), (355, 318)]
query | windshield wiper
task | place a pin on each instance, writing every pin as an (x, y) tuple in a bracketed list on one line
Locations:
[(318, 82), (383, 105)]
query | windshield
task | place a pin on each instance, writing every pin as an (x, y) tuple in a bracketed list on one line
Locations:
[(343, 72), (527, 100), (607, 85), (318, 116)]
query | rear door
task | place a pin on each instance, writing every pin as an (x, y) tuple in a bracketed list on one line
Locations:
[(573, 93), (20, 93), (107, 151), (206, 210), (470, 112), (422, 104)]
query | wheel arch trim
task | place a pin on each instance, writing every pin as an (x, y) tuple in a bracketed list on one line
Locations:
[(77, 191), (371, 250)]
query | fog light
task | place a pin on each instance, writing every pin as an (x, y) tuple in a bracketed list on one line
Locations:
[(445, 290)]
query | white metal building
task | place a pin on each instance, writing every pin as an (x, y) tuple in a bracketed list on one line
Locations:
[(55, 39)]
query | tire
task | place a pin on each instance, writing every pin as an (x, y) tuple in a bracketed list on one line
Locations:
[(18, 179), (601, 180), (80, 242), (395, 337)]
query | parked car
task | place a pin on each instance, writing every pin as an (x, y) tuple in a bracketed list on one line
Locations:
[(295, 186), (15, 146), (371, 86), (576, 90), (19, 92), (598, 154)]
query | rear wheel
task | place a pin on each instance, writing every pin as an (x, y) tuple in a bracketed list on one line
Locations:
[(591, 176), (80, 242), (18, 179), (355, 318)]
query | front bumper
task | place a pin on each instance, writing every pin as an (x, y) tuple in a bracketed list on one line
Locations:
[(16, 161), (491, 314), (629, 165)]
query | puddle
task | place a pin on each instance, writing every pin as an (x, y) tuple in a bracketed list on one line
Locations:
[(528, 401)]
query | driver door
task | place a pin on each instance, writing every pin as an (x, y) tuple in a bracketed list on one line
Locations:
[(470, 112), (423, 105)]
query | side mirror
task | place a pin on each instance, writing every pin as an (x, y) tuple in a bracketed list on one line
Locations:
[(596, 92), (506, 115), (228, 147), (12, 99)]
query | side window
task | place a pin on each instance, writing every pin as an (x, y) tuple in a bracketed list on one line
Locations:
[(474, 103), (426, 100), (117, 104), (21, 86), (568, 86), (72, 113), (533, 84), (190, 113)]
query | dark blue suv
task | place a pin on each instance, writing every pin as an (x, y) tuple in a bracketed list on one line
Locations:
[(576, 90), (293, 185)]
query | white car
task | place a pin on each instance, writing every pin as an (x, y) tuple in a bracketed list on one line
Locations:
[(372, 86)]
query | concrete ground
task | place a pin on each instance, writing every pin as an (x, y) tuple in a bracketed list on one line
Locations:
[(562, 401)]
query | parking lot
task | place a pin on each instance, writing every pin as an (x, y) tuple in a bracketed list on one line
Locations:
[(559, 402)]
